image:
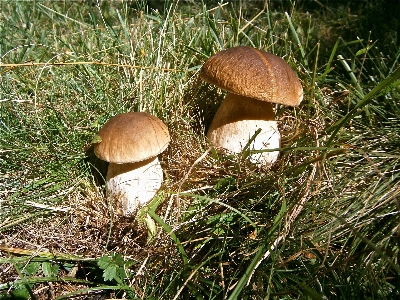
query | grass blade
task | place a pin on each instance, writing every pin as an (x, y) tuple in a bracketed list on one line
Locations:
[(384, 84), (259, 256), (171, 233), (351, 74), (296, 36)]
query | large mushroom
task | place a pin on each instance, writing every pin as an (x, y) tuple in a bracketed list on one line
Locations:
[(131, 143), (254, 79)]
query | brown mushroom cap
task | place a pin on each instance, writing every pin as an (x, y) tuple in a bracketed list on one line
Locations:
[(253, 73), (132, 137)]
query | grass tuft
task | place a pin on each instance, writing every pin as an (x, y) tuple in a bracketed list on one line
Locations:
[(323, 222)]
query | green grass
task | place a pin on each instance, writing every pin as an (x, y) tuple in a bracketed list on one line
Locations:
[(321, 223)]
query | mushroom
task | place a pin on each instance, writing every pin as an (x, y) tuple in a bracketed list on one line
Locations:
[(254, 79), (131, 143)]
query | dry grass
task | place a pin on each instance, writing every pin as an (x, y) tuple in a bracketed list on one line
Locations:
[(322, 221)]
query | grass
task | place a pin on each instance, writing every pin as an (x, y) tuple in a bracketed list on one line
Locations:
[(321, 223)]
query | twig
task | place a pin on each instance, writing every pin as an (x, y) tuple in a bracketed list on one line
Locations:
[(44, 206), (192, 166)]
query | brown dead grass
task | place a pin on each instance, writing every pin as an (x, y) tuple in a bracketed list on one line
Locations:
[(87, 225)]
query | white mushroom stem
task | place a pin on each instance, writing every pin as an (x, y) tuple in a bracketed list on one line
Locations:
[(237, 120), (134, 184)]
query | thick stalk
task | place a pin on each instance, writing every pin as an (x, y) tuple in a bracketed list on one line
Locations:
[(134, 184), (237, 120)]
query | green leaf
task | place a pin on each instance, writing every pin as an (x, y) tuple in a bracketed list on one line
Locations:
[(49, 270), (104, 262), (118, 260), (110, 268), (110, 273), (113, 266), (31, 268)]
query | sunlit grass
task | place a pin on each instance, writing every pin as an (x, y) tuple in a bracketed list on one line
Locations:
[(322, 222)]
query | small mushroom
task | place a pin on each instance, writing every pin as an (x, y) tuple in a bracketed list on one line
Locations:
[(254, 79), (131, 143)]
